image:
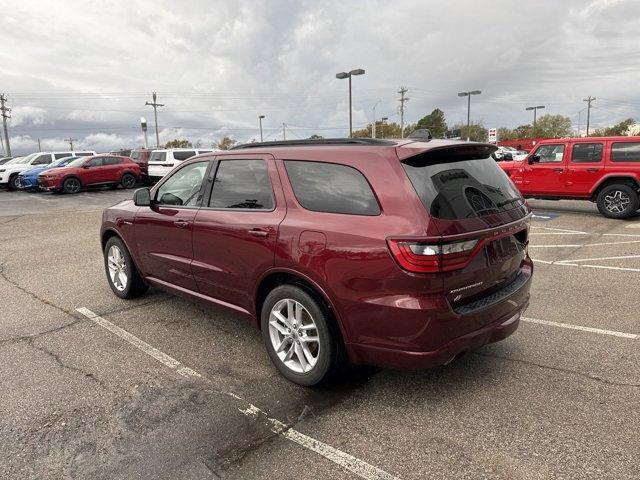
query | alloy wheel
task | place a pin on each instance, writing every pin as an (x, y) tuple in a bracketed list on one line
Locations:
[(117, 266), (72, 185), (128, 181), (294, 335), (617, 201)]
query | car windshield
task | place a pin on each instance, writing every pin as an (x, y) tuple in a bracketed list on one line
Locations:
[(77, 162), (24, 159), (62, 162)]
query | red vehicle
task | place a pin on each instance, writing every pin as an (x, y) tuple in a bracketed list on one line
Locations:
[(141, 157), (91, 171), (605, 170), (400, 253)]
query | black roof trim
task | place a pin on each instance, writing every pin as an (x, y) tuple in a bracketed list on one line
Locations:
[(320, 141)]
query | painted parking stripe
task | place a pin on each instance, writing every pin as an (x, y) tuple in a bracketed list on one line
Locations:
[(585, 244), (567, 263), (343, 459), (599, 331), (564, 230)]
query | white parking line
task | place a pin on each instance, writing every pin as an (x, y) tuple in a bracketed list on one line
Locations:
[(565, 230), (566, 263), (600, 258), (599, 331), (349, 462), (584, 244)]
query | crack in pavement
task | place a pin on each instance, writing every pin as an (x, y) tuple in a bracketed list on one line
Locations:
[(560, 369), (34, 336)]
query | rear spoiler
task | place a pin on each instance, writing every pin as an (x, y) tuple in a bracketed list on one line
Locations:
[(446, 153)]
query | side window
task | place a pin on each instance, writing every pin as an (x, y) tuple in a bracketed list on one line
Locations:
[(550, 153), (184, 186), (84, 154), (158, 157), (242, 184), (333, 188), (112, 161), (625, 152), (587, 153), (58, 156), (95, 162), (183, 155), (44, 159)]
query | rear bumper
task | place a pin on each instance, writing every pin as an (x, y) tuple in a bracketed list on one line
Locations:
[(406, 360)]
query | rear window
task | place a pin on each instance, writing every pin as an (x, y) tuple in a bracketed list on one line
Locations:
[(625, 152), (331, 188), (183, 155), (459, 189), (135, 155)]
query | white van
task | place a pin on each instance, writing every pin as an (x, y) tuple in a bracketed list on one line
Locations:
[(9, 172), (163, 160)]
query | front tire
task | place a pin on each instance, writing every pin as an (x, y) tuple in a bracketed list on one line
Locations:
[(14, 182), (71, 185), (618, 201), (122, 274), (300, 337), (128, 181)]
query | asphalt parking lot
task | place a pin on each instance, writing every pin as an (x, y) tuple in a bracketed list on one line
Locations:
[(163, 388)]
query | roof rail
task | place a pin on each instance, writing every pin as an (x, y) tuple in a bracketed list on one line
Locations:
[(318, 141)]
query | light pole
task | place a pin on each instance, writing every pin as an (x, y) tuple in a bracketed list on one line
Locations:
[(143, 125), (260, 117), (468, 95), (342, 76), (373, 125), (382, 120), (535, 111)]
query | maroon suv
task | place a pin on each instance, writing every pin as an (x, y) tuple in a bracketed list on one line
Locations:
[(398, 253)]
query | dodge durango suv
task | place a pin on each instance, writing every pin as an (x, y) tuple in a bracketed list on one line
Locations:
[(604, 170), (400, 253)]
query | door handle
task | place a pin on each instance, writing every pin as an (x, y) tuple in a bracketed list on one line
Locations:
[(182, 223), (557, 170), (257, 232), (593, 170)]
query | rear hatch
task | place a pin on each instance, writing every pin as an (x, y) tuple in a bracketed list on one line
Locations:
[(481, 218)]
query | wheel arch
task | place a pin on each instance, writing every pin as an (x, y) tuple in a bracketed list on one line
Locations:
[(110, 232), (615, 180), (274, 278)]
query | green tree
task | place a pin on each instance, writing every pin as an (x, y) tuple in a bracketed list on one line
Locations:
[(523, 131), (552, 126), (476, 132), (619, 129), (178, 144), (505, 133), (388, 130), (226, 143), (434, 122)]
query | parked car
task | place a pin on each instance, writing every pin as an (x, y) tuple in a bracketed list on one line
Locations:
[(399, 253), (4, 160), (10, 171), (141, 157), (605, 170), (506, 153), (91, 171), (162, 161), (28, 180)]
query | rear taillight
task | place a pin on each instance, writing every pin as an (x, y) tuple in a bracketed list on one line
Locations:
[(421, 257)]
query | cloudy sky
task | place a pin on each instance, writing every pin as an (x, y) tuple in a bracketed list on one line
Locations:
[(84, 68)]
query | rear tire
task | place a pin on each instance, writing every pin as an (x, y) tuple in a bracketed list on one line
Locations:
[(14, 182), (128, 181), (293, 323), (123, 276), (618, 201), (71, 185)]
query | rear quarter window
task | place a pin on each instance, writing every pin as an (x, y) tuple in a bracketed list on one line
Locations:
[(625, 152), (455, 190), (183, 155), (331, 188)]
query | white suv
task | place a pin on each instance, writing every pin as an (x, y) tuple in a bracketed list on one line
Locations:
[(9, 172), (162, 161)]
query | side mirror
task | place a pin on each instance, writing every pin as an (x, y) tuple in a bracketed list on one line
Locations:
[(533, 159), (142, 197), (86, 166)]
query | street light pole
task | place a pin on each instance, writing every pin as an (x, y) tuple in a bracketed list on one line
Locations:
[(143, 125), (260, 117), (468, 95), (342, 76), (535, 111), (373, 125), (382, 120)]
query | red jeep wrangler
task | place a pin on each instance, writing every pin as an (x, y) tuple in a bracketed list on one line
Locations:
[(605, 170)]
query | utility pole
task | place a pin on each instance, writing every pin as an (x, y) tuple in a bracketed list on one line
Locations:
[(70, 140), (382, 120), (373, 125), (155, 106), (260, 117), (5, 115), (589, 99), (39, 147), (402, 99), (284, 133)]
